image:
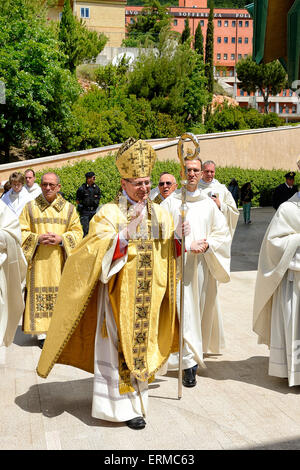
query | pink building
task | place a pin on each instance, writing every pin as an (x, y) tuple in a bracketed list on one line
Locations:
[(233, 35), (233, 30)]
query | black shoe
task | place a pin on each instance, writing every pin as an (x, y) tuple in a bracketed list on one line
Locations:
[(189, 376), (136, 423), (41, 343)]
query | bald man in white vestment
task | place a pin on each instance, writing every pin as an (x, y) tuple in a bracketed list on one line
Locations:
[(219, 194), (276, 314), (207, 262), (13, 269)]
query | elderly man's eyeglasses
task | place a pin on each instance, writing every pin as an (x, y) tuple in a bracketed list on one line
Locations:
[(51, 185), (167, 183), (139, 184)]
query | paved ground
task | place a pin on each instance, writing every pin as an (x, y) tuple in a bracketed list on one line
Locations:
[(235, 405)]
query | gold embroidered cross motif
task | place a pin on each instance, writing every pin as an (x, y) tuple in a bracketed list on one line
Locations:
[(125, 167), (142, 312), (139, 364), (132, 158), (140, 338), (145, 260), (142, 306), (144, 286), (44, 305)]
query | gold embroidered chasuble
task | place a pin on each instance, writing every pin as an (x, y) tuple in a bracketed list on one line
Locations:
[(45, 262), (158, 199), (141, 294)]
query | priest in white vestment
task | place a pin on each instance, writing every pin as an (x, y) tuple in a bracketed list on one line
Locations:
[(13, 268), (207, 262), (276, 313), (219, 194), (33, 189)]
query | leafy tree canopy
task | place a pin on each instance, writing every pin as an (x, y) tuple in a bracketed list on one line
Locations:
[(39, 92), (269, 78), (167, 75)]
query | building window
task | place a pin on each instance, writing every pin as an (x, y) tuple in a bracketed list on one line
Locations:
[(247, 24), (225, 56), (242, 93), (232, 56), (233, 40), (239, 56), (202, 22), (284, 93), (225, 40), (294, 108), (218, 56), (245, 56), (291, 93), (240, 40), (175, 22), (84, 12), (226, 24), (240, 24), (233, 23), (219, 23), (272, 108), (131, 20), (219, 40), (231, 73), (246, 40)]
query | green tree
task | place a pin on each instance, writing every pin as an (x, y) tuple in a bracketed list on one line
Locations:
[(150, 22), (39, 91), (78, 43), (186, 33), (209, 49), (199, 42), (110, 76), (169, 77), (269, 78)]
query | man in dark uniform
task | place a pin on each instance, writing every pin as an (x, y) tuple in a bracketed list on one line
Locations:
[(87, 198), (285, 191)]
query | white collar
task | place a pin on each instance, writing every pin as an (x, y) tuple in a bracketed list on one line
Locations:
[(194, 193), (214, 181)]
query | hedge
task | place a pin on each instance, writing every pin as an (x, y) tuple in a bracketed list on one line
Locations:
[(108, 179)]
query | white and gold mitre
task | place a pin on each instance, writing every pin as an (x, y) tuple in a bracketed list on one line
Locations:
[(135, 159)]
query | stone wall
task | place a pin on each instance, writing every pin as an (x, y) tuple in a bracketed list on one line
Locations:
[(253, 149)]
